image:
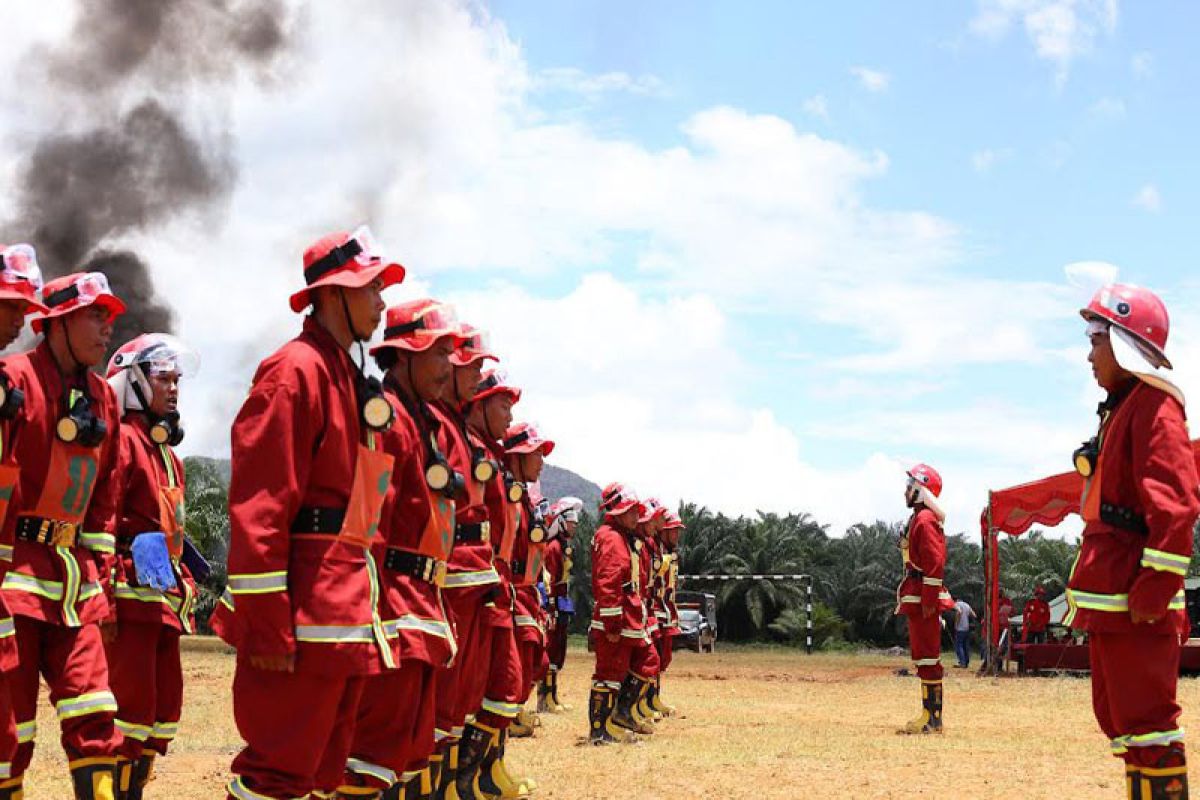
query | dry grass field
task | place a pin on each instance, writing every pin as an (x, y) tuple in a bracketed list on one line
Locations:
[(754, 724)]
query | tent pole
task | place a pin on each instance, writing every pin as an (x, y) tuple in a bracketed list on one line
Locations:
[(989, 612)]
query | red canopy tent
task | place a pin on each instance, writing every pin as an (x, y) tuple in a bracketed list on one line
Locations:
[(1013, 511)]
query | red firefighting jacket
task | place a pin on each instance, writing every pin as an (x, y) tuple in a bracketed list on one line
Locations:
[(419, 524), (616, 584), (923, 547), (63, 486), (501, 603), (661, 565), (470, 566), (527, 564), (1035, 617), (153, 477), (1139, 510), (297, 443), (558, 563), (649, 560), (671, 581)]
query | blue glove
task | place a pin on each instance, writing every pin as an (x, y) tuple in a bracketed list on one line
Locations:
[(152, 561), (543, 595), (565, 606)]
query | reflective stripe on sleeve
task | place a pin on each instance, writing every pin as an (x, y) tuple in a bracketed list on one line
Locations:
[(258, 583), (84, 704), (1164, 561)]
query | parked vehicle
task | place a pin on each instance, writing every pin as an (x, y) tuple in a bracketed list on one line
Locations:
[(697, 620)]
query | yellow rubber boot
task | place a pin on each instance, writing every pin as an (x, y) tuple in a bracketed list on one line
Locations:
[(449, 770), (1160, 783), (656, 701), (13, 788), (520, 782), (930, 718), (522, 726), (93, 778)]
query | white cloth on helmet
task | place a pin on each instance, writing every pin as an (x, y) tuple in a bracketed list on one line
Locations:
[(1136, 359)]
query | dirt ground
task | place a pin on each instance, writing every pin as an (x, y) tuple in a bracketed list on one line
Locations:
[(754, 724)]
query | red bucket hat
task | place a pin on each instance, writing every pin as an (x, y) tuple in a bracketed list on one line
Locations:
[(416, 325), (21, 277), (524, 437), (76, 291), (495, 382), (344, 259), (474, 345)]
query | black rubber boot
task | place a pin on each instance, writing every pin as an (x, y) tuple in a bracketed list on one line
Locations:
[(930, 718), (143, 773), (600, 711), (627, 699), (13, 789), (472, 750), (94, 779), (1163, 782)]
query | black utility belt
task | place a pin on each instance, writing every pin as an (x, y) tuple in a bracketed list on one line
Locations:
[(318, 519), (50, 532), (415, 565), (473, 532), (1123, 518)]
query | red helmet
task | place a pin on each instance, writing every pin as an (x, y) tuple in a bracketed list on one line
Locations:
[(524, 437), (1137, 311), (75, 291), (474, 345), (495, 382), (651, 508), (416, 325), (928, 477), (20, 277), (344, 259), (617, 498)]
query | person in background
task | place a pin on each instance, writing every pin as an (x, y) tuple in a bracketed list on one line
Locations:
[(1035, 618), (963, 614)]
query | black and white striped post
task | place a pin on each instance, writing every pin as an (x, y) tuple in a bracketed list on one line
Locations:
[(807, 580)]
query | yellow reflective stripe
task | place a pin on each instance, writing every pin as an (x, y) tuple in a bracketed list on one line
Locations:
[(931, 581), (227, 599), (185, 607), (610, 612), (145, 594), (172, 480), (500, 708), (336, 633), (376, 771), (133, 731), (99, 542), (927, 662), (166, 730), (26, 731), (459, 580), (377, 629), (51, 590), (1154, 739), (6, 552), (408, 622), (258, 582), (525, 620), (93, 703), (910, 598), (1115, 603), (71, 587), (1164, 561), (7, 627)]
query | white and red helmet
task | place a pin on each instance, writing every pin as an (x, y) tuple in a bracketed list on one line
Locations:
[(21, 277), (141, 357), (672, 521), (1138, 315), (651, 507), (927, 478), (617, 498)]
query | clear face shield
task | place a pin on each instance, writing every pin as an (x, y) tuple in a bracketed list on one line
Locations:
[(20, 266)]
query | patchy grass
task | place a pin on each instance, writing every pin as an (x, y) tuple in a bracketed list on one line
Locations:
[(755, 723)]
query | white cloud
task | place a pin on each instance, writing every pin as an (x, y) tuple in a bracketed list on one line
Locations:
[(1142, 64), (576, 80), (1109, 108), (816, 106), (872, 80), (1059, 30), (982, 161), (1148, 199)]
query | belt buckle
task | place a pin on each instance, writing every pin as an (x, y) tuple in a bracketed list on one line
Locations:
[(485, 531), (61, 534), (439, 574)]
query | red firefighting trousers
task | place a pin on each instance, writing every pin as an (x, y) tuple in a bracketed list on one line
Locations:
[(1133, 696), (615, 660), (925, 642), (460, 686), (298, 728), (394, 730), (147, 680), (73, 664), (534, 665), (8, 729), (556, 644), (665, 643), (504, 689)]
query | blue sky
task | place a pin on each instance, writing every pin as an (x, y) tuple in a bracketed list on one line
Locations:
[(752, 255)]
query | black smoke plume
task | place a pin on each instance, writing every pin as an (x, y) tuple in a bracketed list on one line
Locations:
[(128, 71)]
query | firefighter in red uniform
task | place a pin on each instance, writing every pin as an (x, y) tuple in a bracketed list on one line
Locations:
[(308, 482), (922, 597), (1140, 503), (471, 579), (483, 770), (525, 451), (668, 621), (1035, 618), (649, 524), (20, 296), (155, 589), (625, 661), (393, 735), (560, 529), (62, 518)]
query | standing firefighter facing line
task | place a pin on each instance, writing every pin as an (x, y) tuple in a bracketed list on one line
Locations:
[(1139, 505), (921, 596)]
